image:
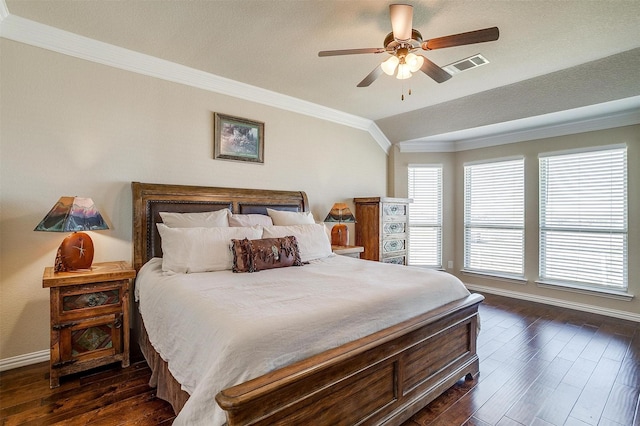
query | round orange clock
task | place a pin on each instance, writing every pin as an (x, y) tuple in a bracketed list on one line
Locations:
[(75, 252)]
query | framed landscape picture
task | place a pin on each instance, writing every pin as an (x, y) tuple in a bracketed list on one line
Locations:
[(238, 139)]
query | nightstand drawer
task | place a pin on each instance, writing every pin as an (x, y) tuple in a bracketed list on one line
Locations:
[(89, 300), (82, 341)]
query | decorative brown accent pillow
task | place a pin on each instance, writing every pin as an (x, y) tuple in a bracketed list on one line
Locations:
[(266, 253), (241, 250)]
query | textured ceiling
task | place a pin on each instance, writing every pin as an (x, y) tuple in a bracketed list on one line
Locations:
[(551, 55)]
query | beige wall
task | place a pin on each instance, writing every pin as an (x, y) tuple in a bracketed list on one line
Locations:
[(73, 127), (454, 204)]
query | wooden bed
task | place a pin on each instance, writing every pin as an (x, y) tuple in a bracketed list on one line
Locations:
[(383, 378)]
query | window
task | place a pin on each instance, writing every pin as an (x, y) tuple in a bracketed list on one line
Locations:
[(494, 218), (583, 218), (425, 215)]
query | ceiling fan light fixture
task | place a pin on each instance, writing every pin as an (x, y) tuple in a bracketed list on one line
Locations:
[(389, 66), (414, 62), (403, 72)]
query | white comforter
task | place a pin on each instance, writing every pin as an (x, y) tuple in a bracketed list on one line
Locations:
[(218, 329)]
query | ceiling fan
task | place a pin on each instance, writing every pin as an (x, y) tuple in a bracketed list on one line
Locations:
[(403, 40)]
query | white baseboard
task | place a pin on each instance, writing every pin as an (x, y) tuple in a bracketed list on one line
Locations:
[(22, 360), (630, 316)]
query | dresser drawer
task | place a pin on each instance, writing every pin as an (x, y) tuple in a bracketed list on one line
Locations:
[(394, 228), (398, 260), (394, 209), (391, 245)]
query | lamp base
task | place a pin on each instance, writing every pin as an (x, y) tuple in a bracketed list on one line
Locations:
[(340, 235), (75, 252)]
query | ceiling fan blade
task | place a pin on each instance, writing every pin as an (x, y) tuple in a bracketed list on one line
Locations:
[(478, 36), (434, 71), (373, 75), (350, 51), (401, 20)]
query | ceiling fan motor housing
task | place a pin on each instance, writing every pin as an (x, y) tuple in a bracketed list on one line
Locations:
[(415, 37)]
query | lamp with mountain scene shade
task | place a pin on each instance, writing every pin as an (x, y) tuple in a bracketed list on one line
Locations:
[(340, 233), (73, 214)]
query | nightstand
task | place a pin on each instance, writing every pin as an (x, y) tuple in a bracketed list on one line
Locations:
[(351, 251), (89, 317)]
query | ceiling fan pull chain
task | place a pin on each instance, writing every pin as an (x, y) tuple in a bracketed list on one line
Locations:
[(408, 93)]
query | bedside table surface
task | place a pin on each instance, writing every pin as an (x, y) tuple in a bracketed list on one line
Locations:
[(347, 249), (105, 271)]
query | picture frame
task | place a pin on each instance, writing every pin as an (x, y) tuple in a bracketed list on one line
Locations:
[(238, 139)]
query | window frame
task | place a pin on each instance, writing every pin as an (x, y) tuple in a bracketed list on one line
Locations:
[(549, 280), (471, 225), (436, 225)]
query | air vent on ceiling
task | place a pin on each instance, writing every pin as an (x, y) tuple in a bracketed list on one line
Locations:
[(466, 64)]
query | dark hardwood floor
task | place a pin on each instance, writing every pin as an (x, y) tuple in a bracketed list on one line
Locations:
[(539, 365)]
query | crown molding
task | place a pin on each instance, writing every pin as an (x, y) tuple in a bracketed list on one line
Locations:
[(606, 115), (380, 137), (4, 11), (422, 145), (22, 30)]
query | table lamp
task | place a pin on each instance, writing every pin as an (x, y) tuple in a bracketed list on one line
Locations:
[(340, 233), (73, 214)]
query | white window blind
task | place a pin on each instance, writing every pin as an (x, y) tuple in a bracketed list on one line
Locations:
[(583, 218), (425, 215), (494, 218)]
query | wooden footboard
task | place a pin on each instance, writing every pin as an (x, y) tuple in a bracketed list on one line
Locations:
[(383, 378)]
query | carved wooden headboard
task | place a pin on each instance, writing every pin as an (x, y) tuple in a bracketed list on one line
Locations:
[(150, 199)]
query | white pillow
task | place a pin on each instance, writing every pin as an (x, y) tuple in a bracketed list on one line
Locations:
[(312, 239), (250, 220), (186, 250), (196, 220), (285, 218)]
